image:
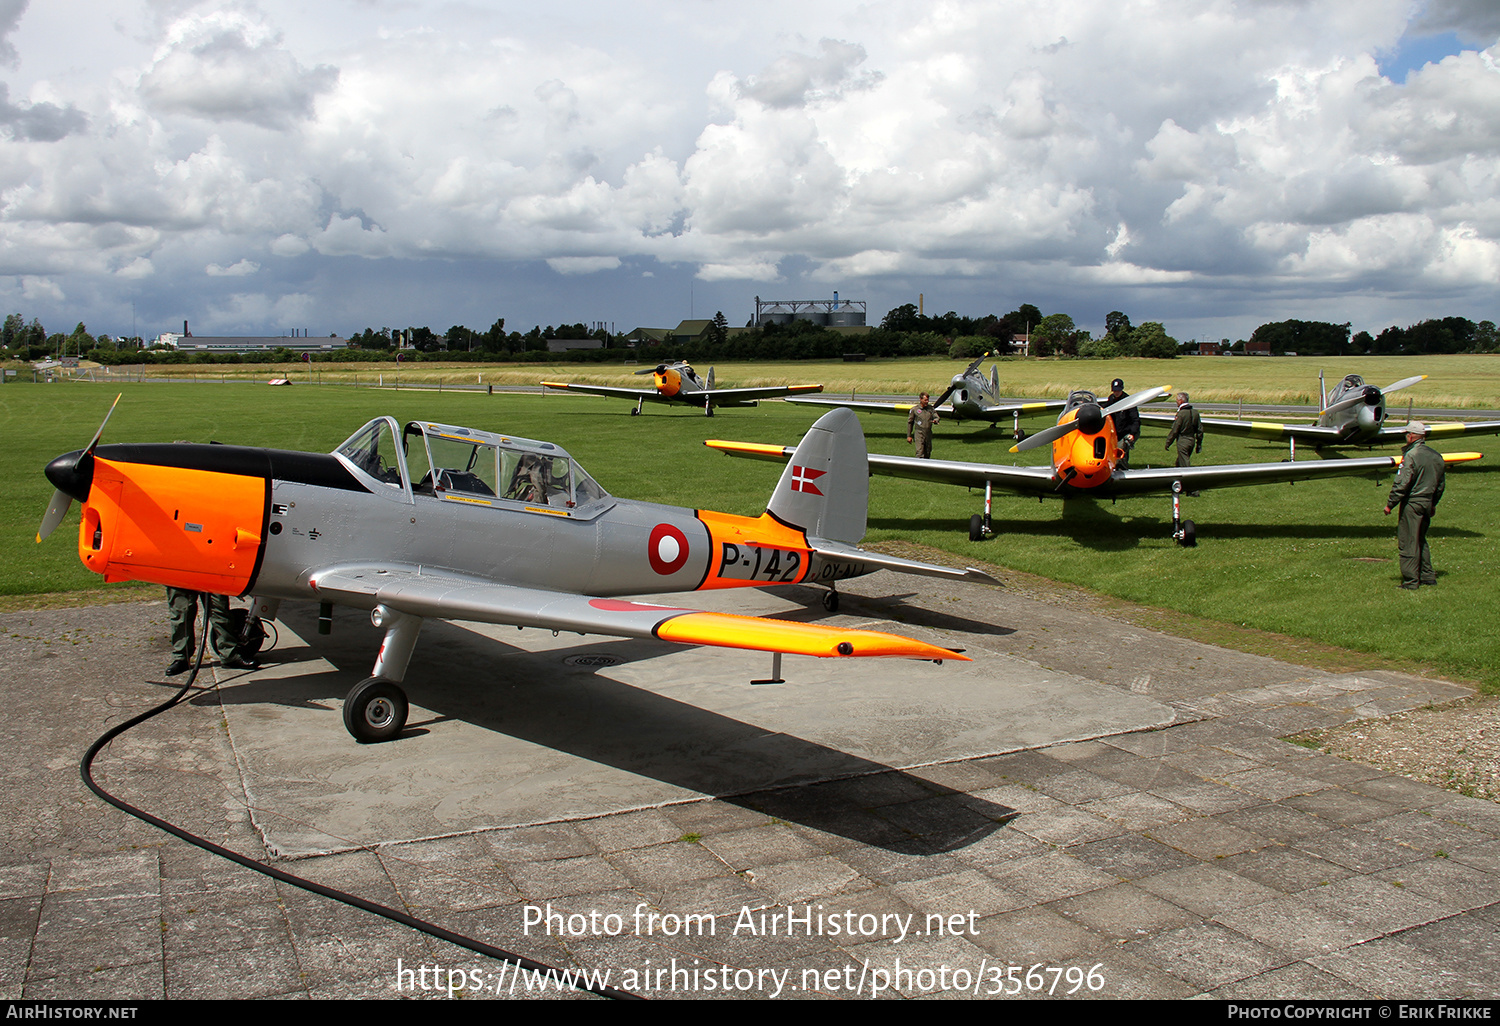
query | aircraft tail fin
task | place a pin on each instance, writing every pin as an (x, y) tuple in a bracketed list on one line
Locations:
[(710, 379), (825, 489), (995, 378)]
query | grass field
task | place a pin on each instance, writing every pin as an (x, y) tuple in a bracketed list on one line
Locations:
[(1313, 561), (1465, 381)]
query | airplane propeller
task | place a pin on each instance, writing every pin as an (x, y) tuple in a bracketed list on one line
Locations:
[(71, 475), (1090, 419), (958, 379), (1370, 395)]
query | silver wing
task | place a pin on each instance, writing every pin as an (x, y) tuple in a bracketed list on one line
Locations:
[(720, 396), (1040, 480), (1311, 434), (451, 596), (990, 413)]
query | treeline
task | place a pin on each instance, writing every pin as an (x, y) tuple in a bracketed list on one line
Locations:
[(1319, 338), (902, 332)]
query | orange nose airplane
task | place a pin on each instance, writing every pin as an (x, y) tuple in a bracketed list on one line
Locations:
[(1086, 456), (677, 383)]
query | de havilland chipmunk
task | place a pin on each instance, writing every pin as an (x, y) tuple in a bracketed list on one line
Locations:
[(974, 396), (1353, 413), (1085, 464), (678, 383), (432, 520)]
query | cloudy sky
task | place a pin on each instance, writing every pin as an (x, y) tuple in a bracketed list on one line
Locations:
[(255, 167)]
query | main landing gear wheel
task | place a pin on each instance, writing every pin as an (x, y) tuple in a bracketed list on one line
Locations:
[(1188, 536), (831, 601), (375, 710), (635, 413), (976, 528)]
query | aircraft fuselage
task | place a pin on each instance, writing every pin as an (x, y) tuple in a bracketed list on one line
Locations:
[(235, 521)]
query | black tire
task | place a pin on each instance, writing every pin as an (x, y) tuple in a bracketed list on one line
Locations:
[(1189, 534), (375, 710), (634, 412), (248, 645), (831, 601), (976, 528)]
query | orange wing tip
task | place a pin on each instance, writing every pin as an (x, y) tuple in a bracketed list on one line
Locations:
[(766, 635), (555, 384), (1462, 457), (806, 388), (755, 447)]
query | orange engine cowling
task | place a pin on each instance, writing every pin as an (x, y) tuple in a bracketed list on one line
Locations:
[(188, 528), (668, 381)]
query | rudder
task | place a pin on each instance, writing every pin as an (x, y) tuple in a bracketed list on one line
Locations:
[(825, 489)]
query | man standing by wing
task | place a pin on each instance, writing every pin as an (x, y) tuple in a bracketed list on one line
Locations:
[(919, 424), (1417, 489)]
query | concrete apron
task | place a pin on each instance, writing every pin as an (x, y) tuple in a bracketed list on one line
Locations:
[(516, 727)]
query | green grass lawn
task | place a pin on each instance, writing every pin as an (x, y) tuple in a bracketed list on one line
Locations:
[(1458, 381), (1315, 560)]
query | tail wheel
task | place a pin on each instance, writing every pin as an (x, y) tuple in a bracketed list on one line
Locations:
[(976, 528), (375, 710), (831, 601)]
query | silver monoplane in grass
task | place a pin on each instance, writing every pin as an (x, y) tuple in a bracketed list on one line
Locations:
[(1353, 413), (677, 383), (973, 397), (1086, 454), (432, 520)]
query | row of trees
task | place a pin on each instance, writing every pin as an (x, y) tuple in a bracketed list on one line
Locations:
[(1319, 338), (459, 338), (902, 332)]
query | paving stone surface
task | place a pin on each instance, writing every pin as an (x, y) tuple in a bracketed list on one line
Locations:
[(1203, 858)]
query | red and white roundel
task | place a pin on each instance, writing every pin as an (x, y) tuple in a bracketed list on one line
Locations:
[(667, 549)]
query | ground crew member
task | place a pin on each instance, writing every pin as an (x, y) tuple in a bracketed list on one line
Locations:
[(1187, 432), (182, 604), (1127, 422), (919, 424), (1417, 489)]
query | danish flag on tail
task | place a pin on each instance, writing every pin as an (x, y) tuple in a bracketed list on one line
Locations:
[(826, 486), (803, 478)]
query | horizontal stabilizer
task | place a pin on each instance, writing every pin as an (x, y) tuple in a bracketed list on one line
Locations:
[(837, 552)]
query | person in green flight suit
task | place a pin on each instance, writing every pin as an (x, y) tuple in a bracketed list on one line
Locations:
[(1417, 489), (919, 424)]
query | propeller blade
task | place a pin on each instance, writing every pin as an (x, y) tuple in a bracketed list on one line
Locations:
[(1130, 402), (76, 472), (89, 449), (1404, 383), (1052, 434), (944, 397), (56, 510), (1046, 436)]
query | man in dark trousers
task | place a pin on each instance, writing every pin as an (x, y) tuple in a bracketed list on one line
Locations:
[(1187, 432), (919, 424), (1417, 489), (1127, 422), (183, 607)]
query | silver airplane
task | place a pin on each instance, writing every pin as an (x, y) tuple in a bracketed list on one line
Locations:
[(974, 396), (431, 520), (1085, 464), (679, 383), (1353, 413)]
